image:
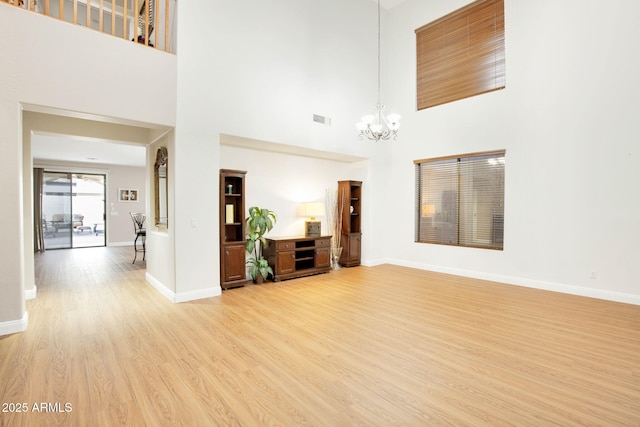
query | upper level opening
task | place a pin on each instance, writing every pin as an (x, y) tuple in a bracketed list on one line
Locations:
[(149, 22)]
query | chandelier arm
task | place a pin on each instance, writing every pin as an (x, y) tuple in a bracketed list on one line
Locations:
[(383, 134)]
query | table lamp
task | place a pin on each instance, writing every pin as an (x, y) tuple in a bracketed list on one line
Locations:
[(312, 226)]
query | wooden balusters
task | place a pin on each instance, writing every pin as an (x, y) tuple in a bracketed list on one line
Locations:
[(113, 17), (19, 3), (146, 22), (141, 25), (124, 19), (136, 26), (88, 18), (155, 22), (166, 25), (101, 16)]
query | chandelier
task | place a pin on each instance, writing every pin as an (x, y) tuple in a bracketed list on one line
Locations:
[(378, 126)]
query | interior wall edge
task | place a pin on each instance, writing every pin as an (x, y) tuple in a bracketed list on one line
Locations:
[(182, 296), (14, 326)]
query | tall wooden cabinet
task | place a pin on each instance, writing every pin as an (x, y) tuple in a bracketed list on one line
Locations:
[(233, 265), (350, 193)]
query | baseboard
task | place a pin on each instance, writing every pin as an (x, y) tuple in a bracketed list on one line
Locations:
[(182, 296), (30, 293), (529, 283), (374, 262), (14, 326), (199, 294), (120, 244)]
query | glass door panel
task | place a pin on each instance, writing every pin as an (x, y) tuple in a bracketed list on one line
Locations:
[(88, 207), (73, 208), (56, 210)]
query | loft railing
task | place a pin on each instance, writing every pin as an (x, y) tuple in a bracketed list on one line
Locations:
[(149, 22)]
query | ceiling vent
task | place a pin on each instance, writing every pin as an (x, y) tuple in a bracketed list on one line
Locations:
[(322, 120)]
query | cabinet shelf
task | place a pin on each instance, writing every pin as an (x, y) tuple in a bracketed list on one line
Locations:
[(233, 270), (351, 194)]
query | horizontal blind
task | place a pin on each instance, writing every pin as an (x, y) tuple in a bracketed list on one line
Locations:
[(481, 206), (460, 200), (438, 202), (461, 54)]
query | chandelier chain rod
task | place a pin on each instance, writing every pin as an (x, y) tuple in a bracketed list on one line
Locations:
[(384, 127), (378, 52)]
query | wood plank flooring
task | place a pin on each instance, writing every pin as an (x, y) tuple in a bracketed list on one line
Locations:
[(381, 346)]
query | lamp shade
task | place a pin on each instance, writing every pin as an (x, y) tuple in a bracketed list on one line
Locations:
[(313, 209), (428, 210)]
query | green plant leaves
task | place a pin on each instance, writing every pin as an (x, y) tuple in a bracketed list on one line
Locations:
[(259, 222)]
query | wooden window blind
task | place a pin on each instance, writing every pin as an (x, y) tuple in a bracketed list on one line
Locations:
[(461, 54), (460, 200)]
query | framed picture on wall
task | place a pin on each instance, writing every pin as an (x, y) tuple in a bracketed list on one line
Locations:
[(127, 194)]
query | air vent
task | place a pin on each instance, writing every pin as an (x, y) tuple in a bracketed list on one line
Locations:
[(322, 120)]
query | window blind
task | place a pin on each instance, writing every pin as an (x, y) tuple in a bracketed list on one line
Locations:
[(461, 54), (460, 200)]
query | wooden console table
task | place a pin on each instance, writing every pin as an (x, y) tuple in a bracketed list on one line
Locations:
[(291, 257)]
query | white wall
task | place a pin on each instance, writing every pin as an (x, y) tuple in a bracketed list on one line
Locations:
[(282, 182), (120, 229), (139, 86), (269, 67), (567, 119), (161, 266), (261, 70)]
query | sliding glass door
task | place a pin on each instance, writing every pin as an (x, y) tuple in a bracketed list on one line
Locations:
[(73, 210)]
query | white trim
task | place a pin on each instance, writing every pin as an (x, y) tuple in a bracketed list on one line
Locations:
[(184, 296), (30, 293), (374, 262), (529, 283), (121, 243), (199, 294), (76, 169), (14, 326)]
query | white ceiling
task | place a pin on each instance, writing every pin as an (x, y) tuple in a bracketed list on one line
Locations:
[(86, 150)]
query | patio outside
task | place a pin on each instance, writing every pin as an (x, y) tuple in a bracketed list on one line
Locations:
[(73, 210)]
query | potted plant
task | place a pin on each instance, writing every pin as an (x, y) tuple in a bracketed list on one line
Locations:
[(259, 222)]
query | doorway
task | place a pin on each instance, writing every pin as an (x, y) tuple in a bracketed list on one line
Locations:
[(73, 210)]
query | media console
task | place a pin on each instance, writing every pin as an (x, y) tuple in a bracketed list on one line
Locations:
[(291, 257)]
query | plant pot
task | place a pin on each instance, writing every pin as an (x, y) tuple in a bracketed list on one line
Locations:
[(259, 280)]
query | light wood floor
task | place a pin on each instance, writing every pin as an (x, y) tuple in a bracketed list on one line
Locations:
[(380, 346)]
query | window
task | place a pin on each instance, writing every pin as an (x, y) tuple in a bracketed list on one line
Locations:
[(461, 54), (460, 200)]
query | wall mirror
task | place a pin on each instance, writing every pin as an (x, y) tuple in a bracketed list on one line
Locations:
[(161, 188)]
